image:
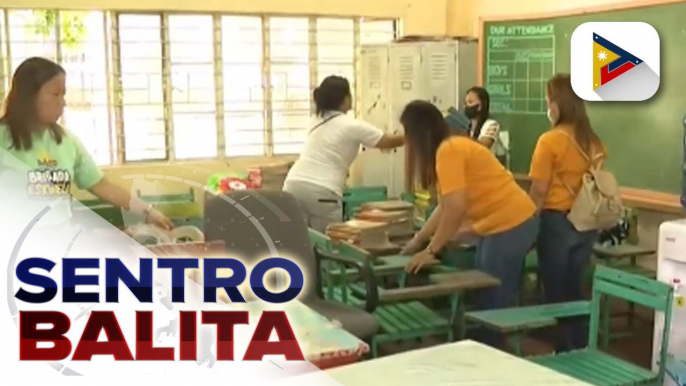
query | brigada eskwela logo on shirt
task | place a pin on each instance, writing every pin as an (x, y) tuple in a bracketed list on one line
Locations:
[(48, 180)]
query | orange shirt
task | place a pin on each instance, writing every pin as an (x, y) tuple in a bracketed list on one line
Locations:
[(495, 202), (557, 159)]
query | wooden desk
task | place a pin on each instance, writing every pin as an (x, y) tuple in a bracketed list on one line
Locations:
[(622, 251), (461, 363), (323, 342), (519, 320)]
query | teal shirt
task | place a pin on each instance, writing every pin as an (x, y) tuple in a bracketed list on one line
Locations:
[(49, 168)]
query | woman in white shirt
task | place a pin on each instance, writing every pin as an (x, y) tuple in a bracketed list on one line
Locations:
[(483, 129), (317, 178)]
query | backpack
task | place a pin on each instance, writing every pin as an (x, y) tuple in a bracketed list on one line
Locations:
[(598, 204)]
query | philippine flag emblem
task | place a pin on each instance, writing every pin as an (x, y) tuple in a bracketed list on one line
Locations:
[(610, 61), (615, 61)]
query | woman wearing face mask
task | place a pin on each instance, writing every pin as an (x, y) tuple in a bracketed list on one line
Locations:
[(561, 157), (31, 138), (318, 176), (477, 108)]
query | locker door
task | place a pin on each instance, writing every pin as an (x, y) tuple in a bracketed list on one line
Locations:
[(439, 69), (466, 69), (374, 109), (405, 87)]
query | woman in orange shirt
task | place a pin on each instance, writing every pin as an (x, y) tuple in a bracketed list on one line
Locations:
[(561, 157), (476, 194)]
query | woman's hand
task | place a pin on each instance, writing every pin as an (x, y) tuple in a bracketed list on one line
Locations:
[(154, 217), (413, 246), (122, 198), (420, 260)]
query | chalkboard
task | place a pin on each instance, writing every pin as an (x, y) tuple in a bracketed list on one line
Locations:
[(644, 139)]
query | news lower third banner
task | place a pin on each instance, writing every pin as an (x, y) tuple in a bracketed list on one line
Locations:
[(85, 303)]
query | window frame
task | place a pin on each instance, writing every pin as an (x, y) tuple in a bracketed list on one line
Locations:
[(113, 74)]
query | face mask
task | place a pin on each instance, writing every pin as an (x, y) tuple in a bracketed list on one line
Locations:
[(471, 111)]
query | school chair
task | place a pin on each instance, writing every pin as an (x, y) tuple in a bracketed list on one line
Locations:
[(597, 368)]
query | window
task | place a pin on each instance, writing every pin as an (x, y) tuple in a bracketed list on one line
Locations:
[(142, 99), (193, 89), (83, 56), (81, 52), (244, 115), (168, 86), (31, 33), (336, 49), (4, 58), (290, 83)]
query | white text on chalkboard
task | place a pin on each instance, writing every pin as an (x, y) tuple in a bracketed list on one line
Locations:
[(522, 30)]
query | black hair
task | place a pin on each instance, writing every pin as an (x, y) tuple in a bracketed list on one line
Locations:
[(484, 112), (425, 130), (331, 94)]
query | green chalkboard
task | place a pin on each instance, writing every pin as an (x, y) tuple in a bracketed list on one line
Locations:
[(644, 139)]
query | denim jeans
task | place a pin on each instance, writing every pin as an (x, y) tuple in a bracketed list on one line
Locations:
[(563, 255), (502, 256)]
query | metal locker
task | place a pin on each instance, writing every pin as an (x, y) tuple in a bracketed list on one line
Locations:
[(439, 74), (449, 70), (406, 86), (374, 109), (466, 68)]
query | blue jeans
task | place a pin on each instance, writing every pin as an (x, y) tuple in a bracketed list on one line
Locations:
[(502, 255), (563, 255)]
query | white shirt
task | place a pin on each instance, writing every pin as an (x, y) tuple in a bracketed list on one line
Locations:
[(501, 140), (331, 148)]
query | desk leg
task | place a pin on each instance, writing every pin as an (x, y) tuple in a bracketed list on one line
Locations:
[(606, 314), (631, 304), (606, 322), (517, 341), (375, 347), (456, 315), (402, 280)]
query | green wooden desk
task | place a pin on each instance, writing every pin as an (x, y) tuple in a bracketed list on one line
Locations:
[(519, 320)]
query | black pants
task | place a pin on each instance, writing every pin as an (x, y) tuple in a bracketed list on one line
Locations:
[(563, 255)]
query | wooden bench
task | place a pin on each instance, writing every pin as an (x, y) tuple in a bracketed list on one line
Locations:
[(519, 320)]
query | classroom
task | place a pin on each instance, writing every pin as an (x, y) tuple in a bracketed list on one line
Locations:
[(467, 185)]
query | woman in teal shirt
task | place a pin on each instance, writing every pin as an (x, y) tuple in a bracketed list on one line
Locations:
[(30, 136)]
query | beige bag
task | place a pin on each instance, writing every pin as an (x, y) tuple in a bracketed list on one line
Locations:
[(598, 204)]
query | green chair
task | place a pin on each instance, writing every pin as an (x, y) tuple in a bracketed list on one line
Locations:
[(597, 368), (355, 197), (400, 312), (623, 256), (400, 318), (516, 322)]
